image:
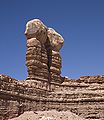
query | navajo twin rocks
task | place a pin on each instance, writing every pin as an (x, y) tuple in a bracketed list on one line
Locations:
[(44, 88)]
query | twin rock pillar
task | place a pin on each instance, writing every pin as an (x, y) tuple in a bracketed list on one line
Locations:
[(43, 59)]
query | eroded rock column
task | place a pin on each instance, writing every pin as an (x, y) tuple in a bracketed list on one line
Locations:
[(43, 59), (36, 55), (56, 43)]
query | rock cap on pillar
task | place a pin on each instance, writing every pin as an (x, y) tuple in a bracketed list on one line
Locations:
[(56, 40), (36, 29)]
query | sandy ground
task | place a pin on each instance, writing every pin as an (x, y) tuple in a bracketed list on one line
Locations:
[(47, 115)]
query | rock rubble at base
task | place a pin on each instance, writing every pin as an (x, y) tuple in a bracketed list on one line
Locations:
[(48, 115)]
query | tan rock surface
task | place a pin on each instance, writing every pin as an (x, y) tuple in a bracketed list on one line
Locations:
[(35, 28), (56, 40), (43, 45), (48, 115), (45, 89), (33, 42)]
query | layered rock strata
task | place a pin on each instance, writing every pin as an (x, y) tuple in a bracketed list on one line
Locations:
[(43, 59), (84, 96), (56, 42), (36, 55)]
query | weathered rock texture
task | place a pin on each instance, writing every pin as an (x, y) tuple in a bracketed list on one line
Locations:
[(48, 115), (42, 58), (44, 89)]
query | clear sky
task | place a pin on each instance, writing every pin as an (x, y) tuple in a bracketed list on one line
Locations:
[(80, 22)]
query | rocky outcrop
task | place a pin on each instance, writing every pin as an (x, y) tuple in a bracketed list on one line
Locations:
[(44, 88), (36, 56), (56, 42), (42, 58), (82, 97)]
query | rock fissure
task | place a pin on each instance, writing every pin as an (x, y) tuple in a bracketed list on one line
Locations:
[(49, 57)]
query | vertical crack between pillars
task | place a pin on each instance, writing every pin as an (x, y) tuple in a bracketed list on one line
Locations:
[(49, 57)]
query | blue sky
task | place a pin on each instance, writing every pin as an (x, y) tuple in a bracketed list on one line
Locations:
[(80, 22)]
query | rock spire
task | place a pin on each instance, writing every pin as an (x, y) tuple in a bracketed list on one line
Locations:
[(43, 59)]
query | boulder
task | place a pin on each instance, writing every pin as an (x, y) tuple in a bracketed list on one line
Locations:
[(36, 29), (56, 40)]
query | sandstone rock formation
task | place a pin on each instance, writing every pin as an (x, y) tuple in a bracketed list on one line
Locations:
[(56, 42), (83, 97), (43, 59), (36, 56), (36, 29)]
